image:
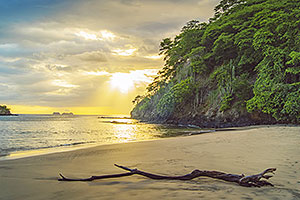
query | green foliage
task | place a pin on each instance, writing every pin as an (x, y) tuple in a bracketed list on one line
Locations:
[(226, 102), (291, 106), (4, 110), (224, 77), (226, 5), (242, 90), (282, 102), (293, 63), (137, 99), (144, 104), (274, 89), (176, 95), (250, 50)]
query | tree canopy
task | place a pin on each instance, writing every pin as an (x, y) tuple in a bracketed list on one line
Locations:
[(246, 58)]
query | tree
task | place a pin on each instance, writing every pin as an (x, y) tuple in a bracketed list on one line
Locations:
[(260, 38)]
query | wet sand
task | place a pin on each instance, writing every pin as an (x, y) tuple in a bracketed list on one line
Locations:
[(248, 151)]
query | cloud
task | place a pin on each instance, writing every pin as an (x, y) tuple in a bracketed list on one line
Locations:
[(59, 68), (6, 69), (126, 81), (8, 46), (62, 53), (4, 59), (124, 52), (92, 56), (102, 35), (97, 73), (154, 57)]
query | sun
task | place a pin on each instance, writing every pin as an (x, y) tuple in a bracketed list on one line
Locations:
[(125, 82), (122, 81)]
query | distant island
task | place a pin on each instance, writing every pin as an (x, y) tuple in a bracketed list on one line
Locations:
[(68, 114), (63, 114), (4, 110), (241, 68)]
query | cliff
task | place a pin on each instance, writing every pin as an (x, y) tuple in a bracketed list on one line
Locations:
[(240, 68)]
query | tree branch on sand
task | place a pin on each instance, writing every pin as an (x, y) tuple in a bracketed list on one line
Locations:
[(242, 180)]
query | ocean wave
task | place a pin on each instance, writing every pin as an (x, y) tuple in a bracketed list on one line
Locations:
[(7, 151), (113, 117)]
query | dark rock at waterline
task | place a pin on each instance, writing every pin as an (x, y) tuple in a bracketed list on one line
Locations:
[(222, 120)]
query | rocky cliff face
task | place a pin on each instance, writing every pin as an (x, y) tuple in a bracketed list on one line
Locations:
[(210, 118)]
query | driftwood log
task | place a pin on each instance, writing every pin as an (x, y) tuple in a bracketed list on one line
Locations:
[(242, 180)]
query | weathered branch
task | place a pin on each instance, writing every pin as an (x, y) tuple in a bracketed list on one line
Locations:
[(242, 180), (63, 178)]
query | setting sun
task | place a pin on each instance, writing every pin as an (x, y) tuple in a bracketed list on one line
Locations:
[(122, 81)]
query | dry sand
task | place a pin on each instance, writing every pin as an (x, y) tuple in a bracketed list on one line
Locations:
[(243, 151)]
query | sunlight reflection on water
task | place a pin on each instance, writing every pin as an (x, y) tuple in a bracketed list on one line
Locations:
[(32, 132)]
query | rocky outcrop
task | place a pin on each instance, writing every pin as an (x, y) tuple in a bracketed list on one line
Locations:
[(230, 118), (4, 110)]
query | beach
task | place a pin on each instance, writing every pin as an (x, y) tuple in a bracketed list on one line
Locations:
[(247, 151)]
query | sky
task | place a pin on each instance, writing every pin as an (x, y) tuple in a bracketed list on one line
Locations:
[(85, 56)]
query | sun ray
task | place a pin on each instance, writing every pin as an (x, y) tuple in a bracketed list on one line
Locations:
[(122, 82), (125, 82)]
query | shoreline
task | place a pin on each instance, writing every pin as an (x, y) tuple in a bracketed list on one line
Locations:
[(49, 150), (216, 123), (195, 131), (1, 115), (243, 151)]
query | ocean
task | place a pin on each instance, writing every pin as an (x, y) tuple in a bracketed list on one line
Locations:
[(23, 135)]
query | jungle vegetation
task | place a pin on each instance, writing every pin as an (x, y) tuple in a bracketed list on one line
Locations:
[(244, 60)]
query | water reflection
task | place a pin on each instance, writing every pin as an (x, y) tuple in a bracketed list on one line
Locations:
[(30, 132), (125, 133)]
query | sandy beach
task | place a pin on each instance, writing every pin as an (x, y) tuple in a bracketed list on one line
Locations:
[(247, 151)]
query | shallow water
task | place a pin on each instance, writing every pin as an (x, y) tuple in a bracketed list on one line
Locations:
[(33, 132), (248, 150)]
